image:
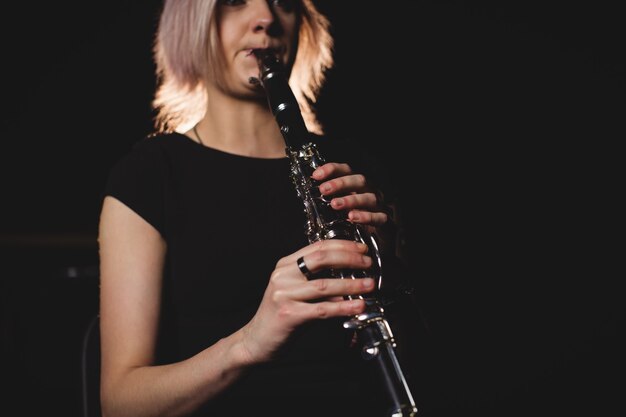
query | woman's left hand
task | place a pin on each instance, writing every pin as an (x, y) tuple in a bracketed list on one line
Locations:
[(350, 191)]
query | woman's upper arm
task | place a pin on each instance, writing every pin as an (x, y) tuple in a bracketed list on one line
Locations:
[(132, 254)]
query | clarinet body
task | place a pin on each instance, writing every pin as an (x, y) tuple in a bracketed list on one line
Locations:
[(323, 222)]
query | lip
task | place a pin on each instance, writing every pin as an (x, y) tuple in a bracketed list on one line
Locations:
[(276, 51)]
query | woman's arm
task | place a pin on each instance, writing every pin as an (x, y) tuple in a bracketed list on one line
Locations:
[(132, 254), (132, 258)]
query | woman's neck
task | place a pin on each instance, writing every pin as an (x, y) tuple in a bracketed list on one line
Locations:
[(239, 126)]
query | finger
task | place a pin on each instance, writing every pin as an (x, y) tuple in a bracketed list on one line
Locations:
[(368, 217), (324, 259), (322, 245), (361, 201), (326, 309), (331, 289), (331, 170), (355, 183)]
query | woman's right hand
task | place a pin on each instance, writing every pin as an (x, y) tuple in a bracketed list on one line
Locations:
[(291, 300)]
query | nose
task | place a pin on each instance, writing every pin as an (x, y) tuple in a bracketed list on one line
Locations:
[(262, 16)]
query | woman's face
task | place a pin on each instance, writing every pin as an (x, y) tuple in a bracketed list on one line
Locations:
[(245, 25)]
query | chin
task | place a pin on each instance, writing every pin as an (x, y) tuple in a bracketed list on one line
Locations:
[(249, 91)]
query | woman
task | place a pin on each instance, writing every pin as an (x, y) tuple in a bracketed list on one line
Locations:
[(204, 309)]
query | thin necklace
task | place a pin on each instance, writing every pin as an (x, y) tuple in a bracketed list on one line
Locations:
[(195, 132)]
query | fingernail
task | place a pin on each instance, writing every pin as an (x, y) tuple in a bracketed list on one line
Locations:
[(368, 283), (355, 303), (325, 188), (337, 202)]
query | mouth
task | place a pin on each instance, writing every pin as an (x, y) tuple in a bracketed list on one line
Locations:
[(263, 50), (261, 56)]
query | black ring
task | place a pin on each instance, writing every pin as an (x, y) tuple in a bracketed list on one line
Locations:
[(302, 267)]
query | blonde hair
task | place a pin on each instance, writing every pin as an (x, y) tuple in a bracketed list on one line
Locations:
[(185, 54)]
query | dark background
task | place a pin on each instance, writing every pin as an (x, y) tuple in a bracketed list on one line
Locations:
[(497, 124)]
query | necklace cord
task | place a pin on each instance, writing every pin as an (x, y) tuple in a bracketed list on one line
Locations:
[(195, 132)]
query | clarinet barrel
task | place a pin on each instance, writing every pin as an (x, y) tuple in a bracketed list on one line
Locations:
[(373, 330)]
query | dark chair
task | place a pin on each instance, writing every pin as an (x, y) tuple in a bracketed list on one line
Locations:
[(90, 369)]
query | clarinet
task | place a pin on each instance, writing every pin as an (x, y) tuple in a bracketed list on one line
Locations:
[(323, 222)]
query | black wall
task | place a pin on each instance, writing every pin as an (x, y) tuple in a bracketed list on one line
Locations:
[(497, 124)]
